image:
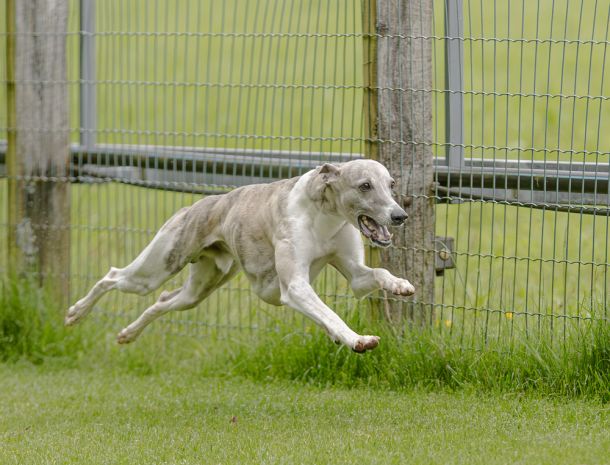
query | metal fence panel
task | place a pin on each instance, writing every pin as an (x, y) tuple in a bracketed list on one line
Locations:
[(171, 100)]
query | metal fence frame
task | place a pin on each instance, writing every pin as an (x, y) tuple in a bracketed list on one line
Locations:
[(553, 185), (567, 186)]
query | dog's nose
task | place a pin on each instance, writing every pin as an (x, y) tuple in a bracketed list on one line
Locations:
[(398, 217)]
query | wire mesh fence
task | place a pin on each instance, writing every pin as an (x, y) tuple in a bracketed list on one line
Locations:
[(172, 100)]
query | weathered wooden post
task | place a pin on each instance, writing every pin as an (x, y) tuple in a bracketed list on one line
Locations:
[(38, 141), (398, 118)]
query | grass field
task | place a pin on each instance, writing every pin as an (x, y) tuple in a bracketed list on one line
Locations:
[(225, 394), (74, 396), (104, 415)]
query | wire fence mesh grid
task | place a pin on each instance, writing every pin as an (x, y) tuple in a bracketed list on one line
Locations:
[(170, 100)]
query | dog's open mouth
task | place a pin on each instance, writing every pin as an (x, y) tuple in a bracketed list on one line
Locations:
[(378, 234)]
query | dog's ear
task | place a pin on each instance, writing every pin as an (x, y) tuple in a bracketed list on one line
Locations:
[(322, 178), (329, 172)]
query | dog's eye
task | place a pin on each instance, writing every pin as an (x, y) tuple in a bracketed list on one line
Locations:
[(392, 185), (365, 187)]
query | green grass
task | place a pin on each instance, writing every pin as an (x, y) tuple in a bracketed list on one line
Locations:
[(578, 366), (31, 326), (75, 396), (110, 416)]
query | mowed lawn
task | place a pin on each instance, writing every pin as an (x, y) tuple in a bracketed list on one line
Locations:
[(101, 415)]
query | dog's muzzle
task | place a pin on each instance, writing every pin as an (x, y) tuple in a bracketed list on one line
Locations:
[(378, 234)]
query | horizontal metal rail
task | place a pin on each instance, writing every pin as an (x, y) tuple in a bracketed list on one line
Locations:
[(565, 185), (573, 177)]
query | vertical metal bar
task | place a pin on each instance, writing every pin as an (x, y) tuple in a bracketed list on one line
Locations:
[(369, 77), (454, 52), (88, 104)]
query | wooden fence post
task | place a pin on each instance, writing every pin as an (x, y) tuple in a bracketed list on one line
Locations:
[(38, 142), (401, 122)]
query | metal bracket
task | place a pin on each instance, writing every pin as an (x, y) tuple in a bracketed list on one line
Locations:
[(443, 253)]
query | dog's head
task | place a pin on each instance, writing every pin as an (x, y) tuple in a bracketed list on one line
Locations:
[(362, 191)]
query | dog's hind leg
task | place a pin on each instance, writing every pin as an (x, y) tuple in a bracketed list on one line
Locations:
[(123, 279), (82, 308), (206, 275), (142, 276)]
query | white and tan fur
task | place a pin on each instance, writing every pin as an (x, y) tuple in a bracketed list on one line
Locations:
[(281, 235)]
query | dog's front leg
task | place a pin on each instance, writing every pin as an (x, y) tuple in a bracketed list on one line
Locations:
[(349, 260), (297, 293), (365, 280)]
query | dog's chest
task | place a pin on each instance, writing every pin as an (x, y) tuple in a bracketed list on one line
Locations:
[(315, 236), (326, 227), (312, 229)]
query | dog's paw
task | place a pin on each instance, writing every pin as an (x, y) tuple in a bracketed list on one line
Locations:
[(125, 336), (364, 343), (401, 287), (73, 316)]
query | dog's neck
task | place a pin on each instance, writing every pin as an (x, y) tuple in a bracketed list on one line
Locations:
[(317, 206), (311, 205)]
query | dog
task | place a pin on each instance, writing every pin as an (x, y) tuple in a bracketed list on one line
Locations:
[(280, 235)]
